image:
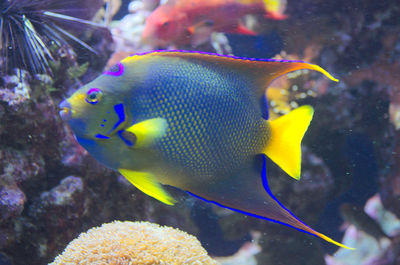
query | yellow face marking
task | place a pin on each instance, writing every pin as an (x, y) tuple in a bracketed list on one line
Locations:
[(76, 102)]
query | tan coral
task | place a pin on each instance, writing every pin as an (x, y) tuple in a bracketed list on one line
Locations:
[(135, 243)]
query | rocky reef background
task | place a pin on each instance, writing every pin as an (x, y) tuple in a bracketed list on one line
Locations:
[(51, 190)]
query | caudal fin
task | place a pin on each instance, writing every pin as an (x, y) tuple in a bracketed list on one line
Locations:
[(286, 133)]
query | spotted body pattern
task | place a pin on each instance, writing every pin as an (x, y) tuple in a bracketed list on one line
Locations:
[(203, 112), (197, 122)]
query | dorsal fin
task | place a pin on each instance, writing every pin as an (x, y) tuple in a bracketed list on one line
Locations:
[(263, 71)]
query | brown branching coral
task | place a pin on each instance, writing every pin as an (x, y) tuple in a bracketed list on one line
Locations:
[(140, 243)]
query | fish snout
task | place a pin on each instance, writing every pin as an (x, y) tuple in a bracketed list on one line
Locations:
[(65, 111)]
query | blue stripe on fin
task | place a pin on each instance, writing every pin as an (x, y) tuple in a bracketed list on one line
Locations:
[(268, 190)]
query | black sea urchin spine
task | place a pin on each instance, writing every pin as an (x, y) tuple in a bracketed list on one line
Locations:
[(30, 31)]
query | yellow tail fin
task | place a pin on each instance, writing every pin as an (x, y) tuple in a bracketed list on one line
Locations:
[(286, 133)]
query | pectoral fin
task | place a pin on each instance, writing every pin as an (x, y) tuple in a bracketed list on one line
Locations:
[(146, 182), (145, 133)]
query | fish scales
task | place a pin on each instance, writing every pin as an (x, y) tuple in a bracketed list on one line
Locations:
[(210, 131)]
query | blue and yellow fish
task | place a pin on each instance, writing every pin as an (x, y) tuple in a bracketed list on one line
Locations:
[(195, 121)]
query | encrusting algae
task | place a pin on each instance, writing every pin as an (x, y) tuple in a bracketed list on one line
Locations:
[(139, 243)]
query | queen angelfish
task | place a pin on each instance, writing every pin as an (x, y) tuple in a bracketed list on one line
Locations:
[(197, 122)]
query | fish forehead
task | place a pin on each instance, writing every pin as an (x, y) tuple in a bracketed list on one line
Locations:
[(213, 118)]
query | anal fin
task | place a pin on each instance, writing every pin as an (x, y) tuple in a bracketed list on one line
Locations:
[(147, 183), (248, 193)]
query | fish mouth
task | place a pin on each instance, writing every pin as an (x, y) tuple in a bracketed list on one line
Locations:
[(65, 111)]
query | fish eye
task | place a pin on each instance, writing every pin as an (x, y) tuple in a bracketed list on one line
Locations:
[(165, 24), (94, 95)]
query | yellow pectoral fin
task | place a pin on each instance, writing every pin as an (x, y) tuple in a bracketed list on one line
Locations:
[(146, 183), (148, 131), (286, 133)]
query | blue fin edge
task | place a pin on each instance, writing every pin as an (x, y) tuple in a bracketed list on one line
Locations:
[(268, 190)]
